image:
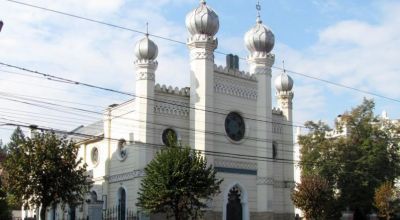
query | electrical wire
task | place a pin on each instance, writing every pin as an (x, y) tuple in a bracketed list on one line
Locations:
[(184, 43)]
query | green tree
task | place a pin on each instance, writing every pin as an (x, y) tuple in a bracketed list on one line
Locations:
[(5, 212), (314, 196), (44, 170), (356, 163), (178, 183)]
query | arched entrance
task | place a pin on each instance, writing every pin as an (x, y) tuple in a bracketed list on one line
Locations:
[(234, 209), (235, 205), (121, 204)]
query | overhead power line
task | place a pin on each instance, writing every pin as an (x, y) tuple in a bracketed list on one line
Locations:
[(158, 146), (170, 102), (184, 43)]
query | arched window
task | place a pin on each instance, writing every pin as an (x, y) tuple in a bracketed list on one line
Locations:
[(121, 204), (274, 149), (93, 196)]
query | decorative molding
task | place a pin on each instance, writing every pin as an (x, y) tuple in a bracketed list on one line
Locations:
[(126, 176), (174, 91), (145, 76), (285, 99), (201, 55), (235, 73), (235, 171), (277, 111), (235, 164), (264, 58), (235, 88), (277, 128), (265, 181), (146, 64), (284, 184), (174, 108)]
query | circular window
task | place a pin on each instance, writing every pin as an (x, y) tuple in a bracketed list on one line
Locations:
[(234, 126), (169, 137), (95, 155)]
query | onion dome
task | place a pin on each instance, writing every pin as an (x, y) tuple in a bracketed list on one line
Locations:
[(259, 38), (283, 83), (146, 49), (202, 20)]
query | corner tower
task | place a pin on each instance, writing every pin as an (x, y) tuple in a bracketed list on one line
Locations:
[(284, 95), (202, 24), (260, 41), (146, 52)]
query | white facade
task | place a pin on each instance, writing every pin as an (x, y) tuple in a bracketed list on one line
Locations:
[(258, 165)]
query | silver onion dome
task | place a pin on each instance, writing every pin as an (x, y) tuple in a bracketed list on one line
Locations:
[(259, 38), (146, 49), (202, 20), (283, 82)]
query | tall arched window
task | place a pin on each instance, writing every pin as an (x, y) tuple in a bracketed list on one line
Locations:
[(121, 204), (274, 149), (235, 206), (234, 210)]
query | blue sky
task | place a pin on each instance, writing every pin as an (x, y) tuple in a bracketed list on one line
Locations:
[(356, 43)]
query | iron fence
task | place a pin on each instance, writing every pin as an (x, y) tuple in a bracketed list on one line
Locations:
[(116, 213)]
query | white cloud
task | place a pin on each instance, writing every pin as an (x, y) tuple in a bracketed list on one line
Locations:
[(351, 52)]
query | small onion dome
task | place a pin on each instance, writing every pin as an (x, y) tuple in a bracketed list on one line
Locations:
[(259, 38), (202, 20), (283, 82), (146, 49)]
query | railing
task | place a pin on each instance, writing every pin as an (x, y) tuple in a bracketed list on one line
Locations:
[(116, 213)]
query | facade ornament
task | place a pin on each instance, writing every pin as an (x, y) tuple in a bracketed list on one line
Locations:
[(126, 176), (234, 88), (265, 181), (145, 76)]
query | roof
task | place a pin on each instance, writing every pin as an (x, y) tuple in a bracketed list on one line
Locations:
[(91, 131)]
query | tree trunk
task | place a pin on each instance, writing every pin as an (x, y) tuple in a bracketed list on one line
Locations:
[(43, 213)]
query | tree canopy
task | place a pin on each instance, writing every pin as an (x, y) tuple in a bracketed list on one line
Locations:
[(178, 183), (315, 196), (44, 170), (357, 161)]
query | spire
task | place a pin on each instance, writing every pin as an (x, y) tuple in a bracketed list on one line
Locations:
[(147, 29), (283, 66), (258, 8)]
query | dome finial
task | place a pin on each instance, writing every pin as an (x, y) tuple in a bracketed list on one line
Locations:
[(202, 20), (283, 66), (147, 29), (283, 83), (258, 7)]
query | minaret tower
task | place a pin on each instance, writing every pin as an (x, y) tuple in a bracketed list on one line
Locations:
[(260, 41), (284, 95), (202, 24), (146, 52)]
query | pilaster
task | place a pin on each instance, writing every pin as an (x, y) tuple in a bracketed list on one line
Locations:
[(144, 107), (202, 91), (260, 65)]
